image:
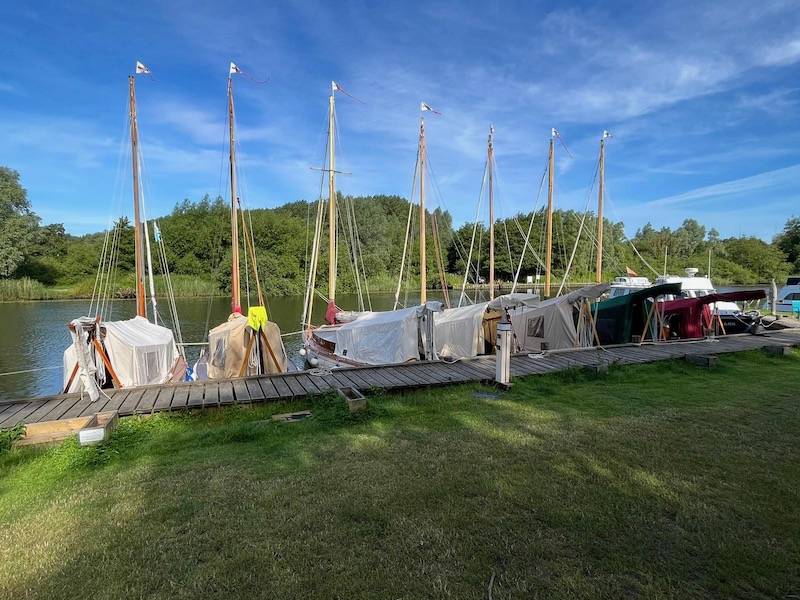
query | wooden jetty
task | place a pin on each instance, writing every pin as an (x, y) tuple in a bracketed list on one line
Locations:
[(287, 386)]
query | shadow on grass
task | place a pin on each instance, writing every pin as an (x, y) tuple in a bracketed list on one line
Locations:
[(657, 480)]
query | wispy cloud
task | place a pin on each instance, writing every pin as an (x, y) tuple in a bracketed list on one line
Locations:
[(762, 182)]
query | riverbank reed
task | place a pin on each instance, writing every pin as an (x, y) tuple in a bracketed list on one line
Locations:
[(24, 289)]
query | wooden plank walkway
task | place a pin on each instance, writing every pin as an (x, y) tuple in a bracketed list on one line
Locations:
[(287, 386)]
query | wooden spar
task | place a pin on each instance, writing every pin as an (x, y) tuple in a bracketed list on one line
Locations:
[(141, 309), (601, 168), (235, 297), (549, 221), (490, 162), (423, 284), (331, 205)]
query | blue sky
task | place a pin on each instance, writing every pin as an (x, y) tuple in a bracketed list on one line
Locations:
[(701, 97)]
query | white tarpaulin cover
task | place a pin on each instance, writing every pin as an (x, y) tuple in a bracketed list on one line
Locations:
[(552, 321), (378, 338), (459, 331), (140, 352)]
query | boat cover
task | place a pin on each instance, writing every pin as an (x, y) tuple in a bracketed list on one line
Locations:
[(459, 331), (228, 344), (620, 318), (140, 352), (378, 338), (552, 321), (688, 317)]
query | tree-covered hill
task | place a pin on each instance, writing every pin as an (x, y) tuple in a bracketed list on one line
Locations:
[(197, 238)]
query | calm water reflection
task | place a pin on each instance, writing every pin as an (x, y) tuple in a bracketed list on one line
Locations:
[(35, 334)]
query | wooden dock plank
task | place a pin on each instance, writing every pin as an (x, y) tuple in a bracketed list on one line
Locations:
[(281, 387), (77, 409), (297, 390), (128, 407), (402, 375), (254, 389), (321, 382), (363, 379), (41, 413), (148, 400), (179, 397), (113, 402), (164, 399), (60, 408), (226, 392), (22, 414), (268, 388), (240, 391), (342, 381), (374, 374), (211, 397), (308, 383), (196, 394)]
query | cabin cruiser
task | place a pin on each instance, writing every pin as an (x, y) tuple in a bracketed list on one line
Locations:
[(622, 286), (788, 294)]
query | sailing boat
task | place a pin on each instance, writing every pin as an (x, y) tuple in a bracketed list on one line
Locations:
[(243, 345), (127, 353), (386, 337)]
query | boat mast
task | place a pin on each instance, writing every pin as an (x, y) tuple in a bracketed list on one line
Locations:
[(141, 309), (601, 184), (331, 203), (423, 284), (491, 215), (235, 297), (549, 219)]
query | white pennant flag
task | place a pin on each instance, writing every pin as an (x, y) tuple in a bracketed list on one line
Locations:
[(335, 86), (554, 133), (140, 68), (424, 107), (606, 134), (234, 69)]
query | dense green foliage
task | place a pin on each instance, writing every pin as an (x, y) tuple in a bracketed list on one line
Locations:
[(198, 238), (570, 485)]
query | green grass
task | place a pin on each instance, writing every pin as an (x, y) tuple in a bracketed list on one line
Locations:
[(657, 481)]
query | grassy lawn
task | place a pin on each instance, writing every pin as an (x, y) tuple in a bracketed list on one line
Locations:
[(656, 481)]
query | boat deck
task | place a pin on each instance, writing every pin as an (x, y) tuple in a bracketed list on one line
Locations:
[(288, 386)]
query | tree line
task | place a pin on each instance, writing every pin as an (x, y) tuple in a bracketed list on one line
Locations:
[(198, 238)]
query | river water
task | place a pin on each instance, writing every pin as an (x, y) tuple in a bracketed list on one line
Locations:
[(35, 335)]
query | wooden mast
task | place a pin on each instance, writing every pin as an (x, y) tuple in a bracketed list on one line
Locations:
[(235, 297), (601, 168), (549, 220), (331, 203), (423, 284), (141, 309), (491, 215)]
